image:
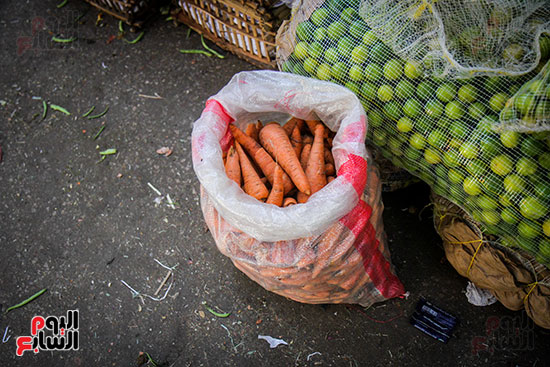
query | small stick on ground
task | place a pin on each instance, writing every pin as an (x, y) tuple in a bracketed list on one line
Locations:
[(163, 282)]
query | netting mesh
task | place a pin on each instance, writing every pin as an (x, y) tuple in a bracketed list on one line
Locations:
[(482, 142), (462, 38)]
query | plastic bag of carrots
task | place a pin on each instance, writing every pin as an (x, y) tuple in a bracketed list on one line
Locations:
[(300, 211)]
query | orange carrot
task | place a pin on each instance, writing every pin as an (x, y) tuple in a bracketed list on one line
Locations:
[(276, 142), (329, 169), (277, 191), (329, 142), (252, 131), (252, 184), (232, 166), (296, 141), (307, 139), (328, 156), (259, 125), (315, 170), (330, 179), (260, 156), (288, 202), (304, 157), (290, 124), (264, 181), (302, 198), (311, 125)]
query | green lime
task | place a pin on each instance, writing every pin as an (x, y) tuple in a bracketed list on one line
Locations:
[(316, 50), (546, 231), (526, 166), (379, 53), (507, 199), (319, 16), (514, 183), (404, 124), (492, 183), (528, 229), (454, 110), (392, 110), (417, 141), (542, 111), (425, 90), (369, 38), (432, 156), (458, 130), (357, 29), (393, 69), (486, 202), (497, 101), (323, 72), (395, 146), (469, 150), (404, 89), (369, 91), (288, 66), (375, 117), (359, 54), (345, 47), (372, 72), (301, 50), (433, 108), (437, 139), (477, 168), (353, 87), (467, 93), (304, 30), (446, 92), (411, 108), (542, 187), (424, 123), (413, 154), (509, 215), (339, 71), (320, 34), (509, 139), (455, 176), (493, 83), (311, 65), (385, 93), (490, 217), (532, 208), (476, 110), (379, 137), (490, 147), (412, 69), (487, 123), (336, 30), (331, 55), (471, 186), (524, 103), (348, 15), (544, 160), (451, 158), (355, 73), (502, 164)]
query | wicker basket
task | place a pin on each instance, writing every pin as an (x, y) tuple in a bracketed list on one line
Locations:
[(133, 12), (245, 28)]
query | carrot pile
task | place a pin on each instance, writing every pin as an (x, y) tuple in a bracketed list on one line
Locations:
[(325, 268), (281, 165)]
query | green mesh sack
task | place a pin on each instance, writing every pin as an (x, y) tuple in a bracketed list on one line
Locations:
[(468, 137)]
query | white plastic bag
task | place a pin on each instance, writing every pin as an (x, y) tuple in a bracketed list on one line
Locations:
[(274, 96)]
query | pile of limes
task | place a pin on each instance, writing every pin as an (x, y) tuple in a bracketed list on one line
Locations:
[(440, 130)]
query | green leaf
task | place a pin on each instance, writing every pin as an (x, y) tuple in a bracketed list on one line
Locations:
[(136, 40), (31, 298), (99, 115), (108, 152), (59, 108)]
